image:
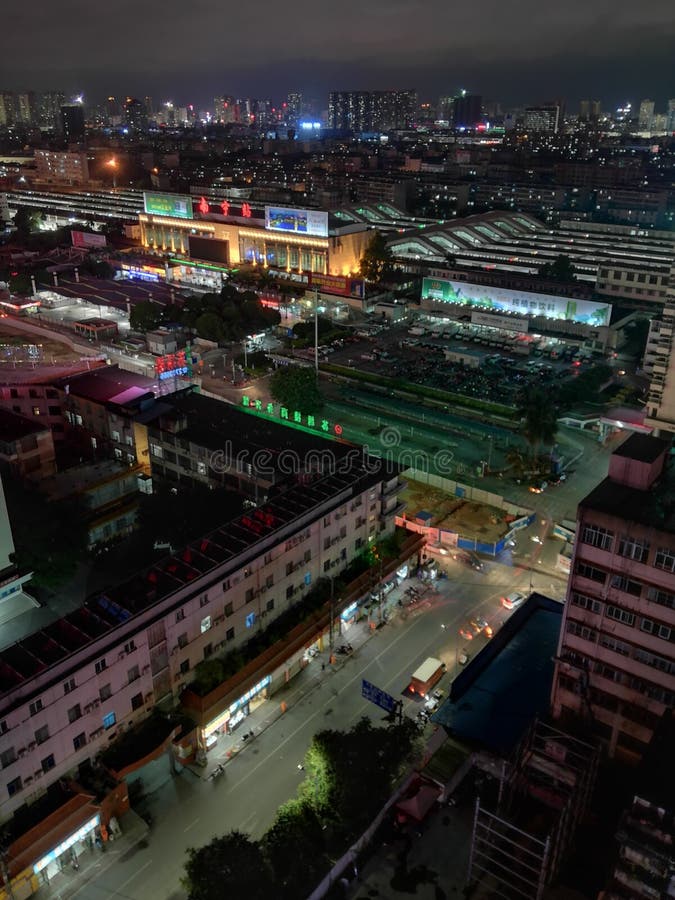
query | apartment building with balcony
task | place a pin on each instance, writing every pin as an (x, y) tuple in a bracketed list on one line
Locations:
[(615, 665), (661, 343), (69, 688)]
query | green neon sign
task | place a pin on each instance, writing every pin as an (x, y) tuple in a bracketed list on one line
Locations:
[(294, 417)]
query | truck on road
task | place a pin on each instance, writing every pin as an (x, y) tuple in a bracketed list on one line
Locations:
[(429, 673)]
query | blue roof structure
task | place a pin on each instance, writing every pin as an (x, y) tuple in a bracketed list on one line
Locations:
[(499, 693)]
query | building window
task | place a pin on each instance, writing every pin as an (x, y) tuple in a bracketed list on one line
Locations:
[(79, 741), (308, 578), (155, 449), (632, 549), (289, 568), (656, 662), (585, 602), (307, 556), (185, 666), (269, 581), (226, 585), (42, 734), (35, 707), (7, 757), (130, 647), (651, 627), (208, 650), (586, 634), (203, 600), (136, 701), (621, 583), (249, 595), (590, 572), (180, 615), (229, 609), (74, 713), (270, 605), (133, 674), (14, 787), (105, 692), (48, 763), (229, 634), (3, 727), (205, 624), (665, 559), (326, 565), (250, 620), (597, 537), (183, 640), (36, 410), (100, 666), (611, 643), (109, 720), (620, 615), (663, 598), (290, 590)]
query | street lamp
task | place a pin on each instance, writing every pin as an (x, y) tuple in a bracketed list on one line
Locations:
[(112, 164)]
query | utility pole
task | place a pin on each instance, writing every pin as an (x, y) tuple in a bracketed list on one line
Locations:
[(316, 331)]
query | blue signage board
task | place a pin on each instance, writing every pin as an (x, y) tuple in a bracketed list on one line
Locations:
[(377, 696)]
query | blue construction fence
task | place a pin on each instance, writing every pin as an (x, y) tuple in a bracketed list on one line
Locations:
[(493, 549)]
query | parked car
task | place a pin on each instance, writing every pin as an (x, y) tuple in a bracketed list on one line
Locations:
[(512, 601)]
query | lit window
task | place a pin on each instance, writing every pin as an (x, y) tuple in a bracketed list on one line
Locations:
[(109, 720)]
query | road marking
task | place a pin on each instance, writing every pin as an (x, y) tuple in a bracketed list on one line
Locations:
[(190, 825), (120, 889)]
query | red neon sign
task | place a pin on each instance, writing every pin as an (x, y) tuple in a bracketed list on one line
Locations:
[(203, 206), (246, 211), (225, 206)]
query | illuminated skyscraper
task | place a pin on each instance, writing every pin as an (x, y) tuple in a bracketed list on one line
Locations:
[(646, 115), (72, 122)]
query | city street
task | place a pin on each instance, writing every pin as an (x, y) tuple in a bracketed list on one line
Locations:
[(189, 811)]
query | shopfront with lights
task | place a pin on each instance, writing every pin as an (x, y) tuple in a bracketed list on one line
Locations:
[(228, 721)]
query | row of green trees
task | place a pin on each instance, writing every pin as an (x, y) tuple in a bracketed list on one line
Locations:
[(348, 778), (229, 315)]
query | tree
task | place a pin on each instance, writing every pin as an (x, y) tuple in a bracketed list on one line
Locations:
[(635, 335), (297, 388), (376, 260), (295, 848), (560, 269), (209, 326), (26, 221), (99, 268), (339, 764), (229, 866), (145, 316), (540, 419)]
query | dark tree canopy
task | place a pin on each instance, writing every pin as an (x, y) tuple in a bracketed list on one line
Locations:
[(540, 419), (230, 866), (560, 269), (297, 388), (145, 316), (376, 260)]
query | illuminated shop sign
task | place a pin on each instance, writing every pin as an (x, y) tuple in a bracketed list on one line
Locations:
[(175, 206), (78, 835), (225, 208), (173, 365), (297, 418)]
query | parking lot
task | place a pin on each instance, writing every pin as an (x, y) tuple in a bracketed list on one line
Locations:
[(498, 371)]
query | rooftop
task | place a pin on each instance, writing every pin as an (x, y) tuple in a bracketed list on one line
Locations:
[(235, 542), (81, 478), (220, 426), (655, 507), (642, 447), (107, 385), (500, 692)]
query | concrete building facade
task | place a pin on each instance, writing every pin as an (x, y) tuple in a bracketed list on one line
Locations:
[(615, 665)]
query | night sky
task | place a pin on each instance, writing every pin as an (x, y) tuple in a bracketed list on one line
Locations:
[(189, 50)]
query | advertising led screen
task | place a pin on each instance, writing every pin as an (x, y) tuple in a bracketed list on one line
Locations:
[(86, 239), (342, 285), (175, 206), (503, 300), (209, 249), (307, 222)]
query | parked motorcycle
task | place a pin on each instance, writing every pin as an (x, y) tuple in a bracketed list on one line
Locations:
[(217, 772)]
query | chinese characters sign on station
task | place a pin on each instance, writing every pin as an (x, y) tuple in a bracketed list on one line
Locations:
[(297, 418)]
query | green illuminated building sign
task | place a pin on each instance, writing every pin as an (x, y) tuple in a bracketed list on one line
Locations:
[(297, 418), (175, 206)]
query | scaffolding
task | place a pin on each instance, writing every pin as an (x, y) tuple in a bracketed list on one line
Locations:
[(517, 849)]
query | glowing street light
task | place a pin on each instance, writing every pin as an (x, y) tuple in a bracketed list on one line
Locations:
[(112, 164)]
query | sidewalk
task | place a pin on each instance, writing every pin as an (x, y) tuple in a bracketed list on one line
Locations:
[(93, 862), (318, 669)]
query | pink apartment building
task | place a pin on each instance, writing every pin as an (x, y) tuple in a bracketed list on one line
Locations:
[(615, 667)]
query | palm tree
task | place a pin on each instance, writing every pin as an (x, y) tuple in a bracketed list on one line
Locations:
[(539, 419)]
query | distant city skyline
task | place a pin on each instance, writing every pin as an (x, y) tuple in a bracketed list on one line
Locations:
[(191, 53)]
